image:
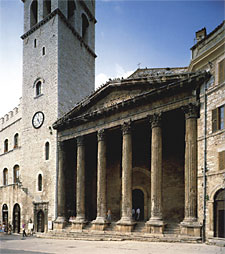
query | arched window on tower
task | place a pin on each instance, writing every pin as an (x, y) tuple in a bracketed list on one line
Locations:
[(16, 140), (46, 8), (39, 182), (38, 88), (33, 13), (85, 25), (5, 176), (6, 146), (16, 174), (71, 7), (47, 150)]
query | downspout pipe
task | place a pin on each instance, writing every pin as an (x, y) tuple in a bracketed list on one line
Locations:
[(205, 165)]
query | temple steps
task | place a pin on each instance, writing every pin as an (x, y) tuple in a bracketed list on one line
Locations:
[(171, 234)]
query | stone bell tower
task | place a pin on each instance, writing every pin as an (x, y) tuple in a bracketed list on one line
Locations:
[(58, 71)]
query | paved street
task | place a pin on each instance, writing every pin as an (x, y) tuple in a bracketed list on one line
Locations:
[(32, 245)]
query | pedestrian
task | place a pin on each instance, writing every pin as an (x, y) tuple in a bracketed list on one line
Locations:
[(30, 227), (109, 215), (24, 230), (9, 229), (138, 211), (133, 214)]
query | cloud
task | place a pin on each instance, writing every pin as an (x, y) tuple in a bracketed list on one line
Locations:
[(119, 72)]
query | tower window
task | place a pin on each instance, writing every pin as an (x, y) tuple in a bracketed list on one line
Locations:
[(6, 146), (38, 88), (47, 149), (5, 176), (85, 25), (43, 51), (39, 182), (16, 140), (46, 7), (35, 43), (33, 13), (71, 11), (16, 174)]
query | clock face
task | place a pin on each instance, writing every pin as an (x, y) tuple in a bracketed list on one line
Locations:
[(38, 119)]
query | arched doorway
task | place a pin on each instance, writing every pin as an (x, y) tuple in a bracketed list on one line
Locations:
[(40, 221), (5, 214), (219, 214), (138, 202), (16, 218)]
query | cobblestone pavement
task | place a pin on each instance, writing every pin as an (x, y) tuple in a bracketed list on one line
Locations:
[(32, 245)]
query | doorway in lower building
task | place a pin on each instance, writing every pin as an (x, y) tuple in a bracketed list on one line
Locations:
[(16, 218), (219, 214), (40, 221)]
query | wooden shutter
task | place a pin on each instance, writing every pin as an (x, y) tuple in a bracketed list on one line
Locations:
[(214, 119), (222, 160), (222, 71)]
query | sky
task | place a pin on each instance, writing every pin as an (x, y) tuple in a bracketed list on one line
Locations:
[(129, 34)]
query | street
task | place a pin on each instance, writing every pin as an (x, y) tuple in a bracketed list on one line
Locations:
[(11, 244)]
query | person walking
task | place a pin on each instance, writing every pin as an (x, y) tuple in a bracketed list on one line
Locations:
[(24, 230), (138, 211)]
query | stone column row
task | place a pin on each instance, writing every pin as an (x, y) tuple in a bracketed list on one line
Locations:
[(155, 223)]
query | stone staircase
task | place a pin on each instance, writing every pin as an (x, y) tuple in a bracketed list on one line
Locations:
[(171, 234)]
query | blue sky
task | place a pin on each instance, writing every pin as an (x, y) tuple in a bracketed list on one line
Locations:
[(128, 33)]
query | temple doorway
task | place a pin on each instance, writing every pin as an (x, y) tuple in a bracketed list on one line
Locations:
[(40, 221), (16, 218), (138, 202), (219, 214)]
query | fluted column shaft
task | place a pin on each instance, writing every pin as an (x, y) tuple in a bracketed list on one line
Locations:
[(80, 179), (61, 183), (156, 168), (190, 163), (127, 173), (101, 177)]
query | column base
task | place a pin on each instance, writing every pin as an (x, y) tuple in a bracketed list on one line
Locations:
[(79, 223), (59, 223), (125, 225), (191, 228), (155, 226), (99, 224)]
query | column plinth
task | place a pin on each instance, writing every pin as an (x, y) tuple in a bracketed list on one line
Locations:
[(126, 222), (155, 224), (190, 224), (100, 222), (60, 221), (80, 221)]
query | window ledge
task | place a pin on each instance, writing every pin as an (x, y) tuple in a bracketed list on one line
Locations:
[(38, 96)]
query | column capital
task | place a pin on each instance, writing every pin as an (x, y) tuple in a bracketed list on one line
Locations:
[(80, 141), (101, 135), (190, 111), (126, 128), (155, 120)]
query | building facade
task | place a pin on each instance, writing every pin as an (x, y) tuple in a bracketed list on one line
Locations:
[(58, 71)]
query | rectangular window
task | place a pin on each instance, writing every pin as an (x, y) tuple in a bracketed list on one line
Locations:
[(222, 160), (218, 118), (221, 67)]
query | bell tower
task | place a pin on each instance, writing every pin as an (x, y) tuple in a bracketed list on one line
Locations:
[(58, 71)]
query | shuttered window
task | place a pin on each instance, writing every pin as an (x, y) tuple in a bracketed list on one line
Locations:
[(222, 71), (218, 118), (222, 160)]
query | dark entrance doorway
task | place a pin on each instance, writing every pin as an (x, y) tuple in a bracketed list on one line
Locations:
[(138, 202), (16, 218), (219, 214), (5, 214), (40, 221)]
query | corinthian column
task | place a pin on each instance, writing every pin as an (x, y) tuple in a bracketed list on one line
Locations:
[(190, 212), (80, 218), (60, 221), (126, 219), (100, 221), (155, 224)]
